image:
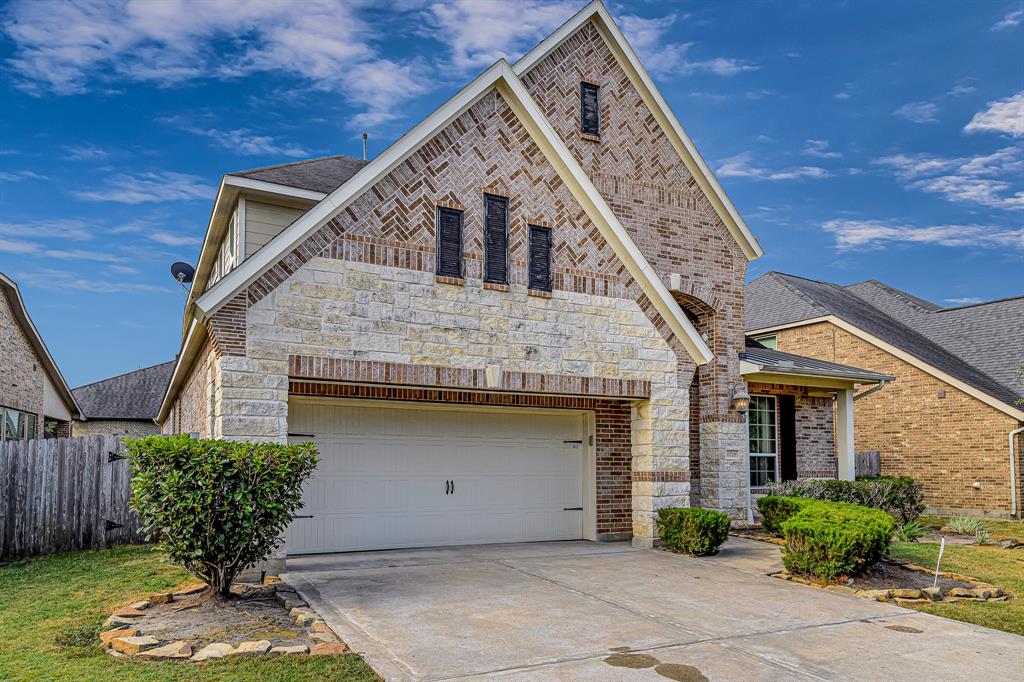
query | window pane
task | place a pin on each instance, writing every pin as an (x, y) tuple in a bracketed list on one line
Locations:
[(30, 426), (12, 425), (763, 447), (762, 471)]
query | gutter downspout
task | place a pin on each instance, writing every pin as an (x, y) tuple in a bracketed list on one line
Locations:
[(864, 394), (1013, 471)]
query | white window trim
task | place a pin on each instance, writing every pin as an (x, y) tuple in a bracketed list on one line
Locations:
[(775, 455)]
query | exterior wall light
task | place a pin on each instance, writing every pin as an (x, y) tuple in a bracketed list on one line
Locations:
[(740, 400)]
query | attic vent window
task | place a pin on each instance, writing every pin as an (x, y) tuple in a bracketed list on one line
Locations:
[(495, 239), (540, 258), (449, 242), (590, 110)]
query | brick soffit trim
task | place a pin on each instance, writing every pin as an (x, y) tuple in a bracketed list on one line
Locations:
[(457, 378)]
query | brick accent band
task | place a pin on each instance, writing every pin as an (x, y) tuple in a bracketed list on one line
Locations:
[(661, 476), (458, 378)]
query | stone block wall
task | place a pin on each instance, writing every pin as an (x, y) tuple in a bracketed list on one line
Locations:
[(922, 426), (122, 427), (22, 377)]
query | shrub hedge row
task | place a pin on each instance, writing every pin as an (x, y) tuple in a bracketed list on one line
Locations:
[(899, 496), (832, 539)]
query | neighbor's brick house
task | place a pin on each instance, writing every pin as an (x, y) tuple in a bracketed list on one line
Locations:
[(544, 267), (124, 405), (32, 390), (947, 417)]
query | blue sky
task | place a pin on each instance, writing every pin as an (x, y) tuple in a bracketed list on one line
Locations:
[(858, 139)]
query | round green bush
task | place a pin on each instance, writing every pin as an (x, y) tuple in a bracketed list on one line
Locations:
[(832, 539), (692, 530), (775, 509), (217, 507)]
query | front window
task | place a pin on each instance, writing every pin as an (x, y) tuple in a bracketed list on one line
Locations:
[(16, 425), (764, 449)]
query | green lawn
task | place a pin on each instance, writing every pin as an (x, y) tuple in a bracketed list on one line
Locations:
[(52, 608), (1002, 567), (999, 529)]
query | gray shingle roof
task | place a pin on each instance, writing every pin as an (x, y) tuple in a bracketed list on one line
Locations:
[(135, 395), (324, 174), (787, 363), (980, 347)]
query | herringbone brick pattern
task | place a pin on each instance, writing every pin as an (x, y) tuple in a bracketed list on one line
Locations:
[(653, 194)]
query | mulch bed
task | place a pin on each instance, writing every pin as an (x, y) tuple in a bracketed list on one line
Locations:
[(886, 576)]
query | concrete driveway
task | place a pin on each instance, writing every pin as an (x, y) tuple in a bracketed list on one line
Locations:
[(583, 611)]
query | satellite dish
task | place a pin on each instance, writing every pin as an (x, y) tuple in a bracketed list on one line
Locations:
[(183, 272)]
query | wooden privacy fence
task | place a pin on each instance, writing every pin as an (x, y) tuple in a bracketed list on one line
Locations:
[(868, 463), (63, 494)]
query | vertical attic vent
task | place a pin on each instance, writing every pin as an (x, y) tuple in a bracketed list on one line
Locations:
[(449, 242), (495, 239), (540, 258), (590, 109)]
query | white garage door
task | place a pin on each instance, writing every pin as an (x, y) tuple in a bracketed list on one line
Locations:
[(416, 475)]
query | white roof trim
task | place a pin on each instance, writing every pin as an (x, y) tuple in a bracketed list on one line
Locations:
[(272, 188), (35, 339), (499, 76), (642, 81), (908, 358)]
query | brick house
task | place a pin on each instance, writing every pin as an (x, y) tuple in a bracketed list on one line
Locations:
[(522, 321), (125, 405), (35, 401), (952, 416)]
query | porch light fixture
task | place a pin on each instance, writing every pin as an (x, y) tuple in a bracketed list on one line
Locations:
[(740, 400)]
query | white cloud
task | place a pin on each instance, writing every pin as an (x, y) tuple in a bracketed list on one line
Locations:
[(18, 176), (17, 246), (169, 239), (987, 180), (966, 300), (851, 234), (60, 280), (1012, 19), (84, 152), (479, 32), (123, 270), (70, 48), (962, 87), (918, 112), (79, 254), (1001, 116), (149, 187), (741, 166), (819, 149), (842, 95), (240, 140), (62, 229), (647, 38)]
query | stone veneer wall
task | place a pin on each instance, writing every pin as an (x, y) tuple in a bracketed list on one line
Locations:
[(948, 443), (21, 381), (815, 429), (121, 427), (345, 309), (653, 194)]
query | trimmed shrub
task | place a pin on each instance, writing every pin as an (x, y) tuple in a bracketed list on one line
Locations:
[(217, 507), (775, 509), (692, 530), (899, 496), (832, 539)]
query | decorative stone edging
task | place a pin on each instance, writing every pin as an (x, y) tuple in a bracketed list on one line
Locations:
[(981, 591), (124, 638)]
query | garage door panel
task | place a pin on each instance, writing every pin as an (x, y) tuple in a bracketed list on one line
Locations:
[(382, 481)]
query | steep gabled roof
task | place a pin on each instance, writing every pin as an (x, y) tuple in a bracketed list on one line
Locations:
[(133, 395), (10, 289), (778, 300), (641, 80), (499, 77), (324, 174)]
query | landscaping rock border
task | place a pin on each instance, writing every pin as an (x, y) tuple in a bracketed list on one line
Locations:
[(980, 592), (124, 637)]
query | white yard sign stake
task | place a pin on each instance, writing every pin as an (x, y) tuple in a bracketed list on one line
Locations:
[(942, 547)]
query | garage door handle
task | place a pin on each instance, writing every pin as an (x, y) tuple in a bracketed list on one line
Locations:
[(572, 508), (301, 516)]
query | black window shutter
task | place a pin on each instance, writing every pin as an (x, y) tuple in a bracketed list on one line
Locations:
[(449, 242), (540, 258), (590, 111), (495, 239)]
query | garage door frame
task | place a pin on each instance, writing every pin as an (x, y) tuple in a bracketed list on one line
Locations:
[(589, 450)]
